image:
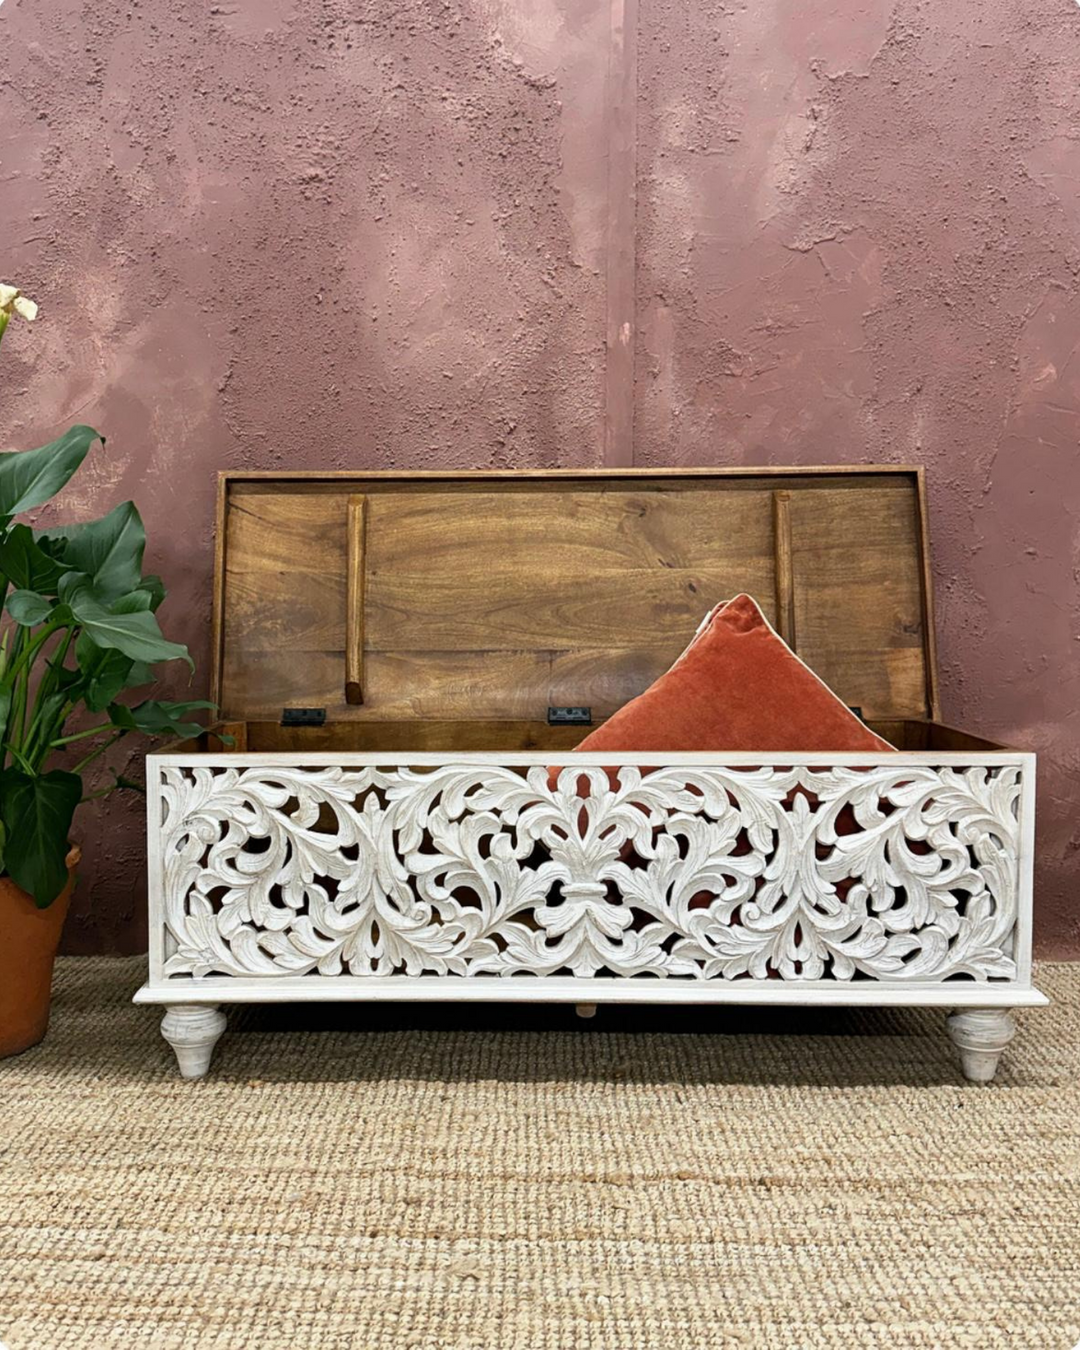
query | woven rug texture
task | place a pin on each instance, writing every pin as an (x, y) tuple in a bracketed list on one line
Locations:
[(486, 1178)]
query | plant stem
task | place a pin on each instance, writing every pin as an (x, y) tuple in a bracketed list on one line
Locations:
[(101, 792), (17, 710), (19, 758), (24, 655), (51, 679), (80, 735), (26, 658), (47, 711), (16, 636), (78, 768), (48, 725), (23, 680)]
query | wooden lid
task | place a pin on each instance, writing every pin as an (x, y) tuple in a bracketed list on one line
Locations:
[(492, 596)]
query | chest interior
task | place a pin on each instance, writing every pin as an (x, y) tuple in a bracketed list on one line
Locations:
[(452, 611)]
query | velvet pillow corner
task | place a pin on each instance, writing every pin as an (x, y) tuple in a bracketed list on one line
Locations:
[(737, 687)]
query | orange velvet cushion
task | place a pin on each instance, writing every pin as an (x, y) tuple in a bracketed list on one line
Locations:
[(738, 686)]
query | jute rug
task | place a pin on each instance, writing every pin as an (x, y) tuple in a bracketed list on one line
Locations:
[(457, 1179)]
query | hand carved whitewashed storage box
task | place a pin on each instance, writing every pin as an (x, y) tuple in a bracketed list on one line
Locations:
[(415, 844)]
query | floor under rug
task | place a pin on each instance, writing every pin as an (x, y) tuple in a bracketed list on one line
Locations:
[(452, 1178)]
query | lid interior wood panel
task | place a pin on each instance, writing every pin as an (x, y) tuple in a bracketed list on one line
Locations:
[(491, 597)]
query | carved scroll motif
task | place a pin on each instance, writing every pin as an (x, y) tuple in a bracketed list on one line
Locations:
[(896, 874)]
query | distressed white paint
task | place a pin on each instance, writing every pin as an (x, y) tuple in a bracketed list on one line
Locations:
[(553, 989), (193, 1029), (721, 878), (981, 1035)]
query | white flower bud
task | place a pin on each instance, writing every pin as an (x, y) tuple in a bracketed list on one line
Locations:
[(12, 300)]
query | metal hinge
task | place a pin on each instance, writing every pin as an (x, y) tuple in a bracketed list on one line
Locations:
[(303, 717), (570, 717)]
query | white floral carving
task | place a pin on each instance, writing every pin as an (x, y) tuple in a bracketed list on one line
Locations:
[(899, 874)]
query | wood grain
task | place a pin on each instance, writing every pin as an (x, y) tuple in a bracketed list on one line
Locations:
[(428, 736), (490, 597), (417, 734), (859, 600), (497, 685)]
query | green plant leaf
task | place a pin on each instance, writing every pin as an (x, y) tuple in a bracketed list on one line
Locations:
[(106, 673), (88, 654), (65, 677), (156, 587), (159, 719), (110, 676), (26, 565), (109, 551), (30, 477), (5, 709), (132, 603), (136, 635), (28, 608), (36, 810)]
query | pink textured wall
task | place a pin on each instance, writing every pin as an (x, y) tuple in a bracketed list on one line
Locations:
[(324, 235), (859, 238)]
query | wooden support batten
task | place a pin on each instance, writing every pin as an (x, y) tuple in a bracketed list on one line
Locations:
[(785, 570)]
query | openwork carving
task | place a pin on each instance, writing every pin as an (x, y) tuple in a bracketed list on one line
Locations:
[(897, 874)]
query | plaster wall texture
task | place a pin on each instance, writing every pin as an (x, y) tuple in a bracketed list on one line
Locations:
[(859, 238), (336, 235)]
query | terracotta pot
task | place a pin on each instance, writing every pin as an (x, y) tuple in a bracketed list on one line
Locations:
[(29, 938)]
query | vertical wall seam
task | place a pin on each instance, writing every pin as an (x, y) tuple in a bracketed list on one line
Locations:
[(621, 238)]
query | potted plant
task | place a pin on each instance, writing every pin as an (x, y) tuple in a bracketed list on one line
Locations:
[(78, 629)]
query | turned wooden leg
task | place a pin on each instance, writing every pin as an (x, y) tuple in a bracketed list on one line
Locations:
[(193, 1029), (585, 1009), (980, 1034)]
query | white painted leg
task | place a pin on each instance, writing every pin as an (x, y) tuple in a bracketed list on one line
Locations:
[(193, 1029), (585, 1009), (980, 1034)]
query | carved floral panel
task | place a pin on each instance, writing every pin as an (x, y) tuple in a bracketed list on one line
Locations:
[(908, 873)]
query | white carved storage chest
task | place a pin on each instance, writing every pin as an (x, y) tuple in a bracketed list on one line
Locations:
[(384, 855)]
